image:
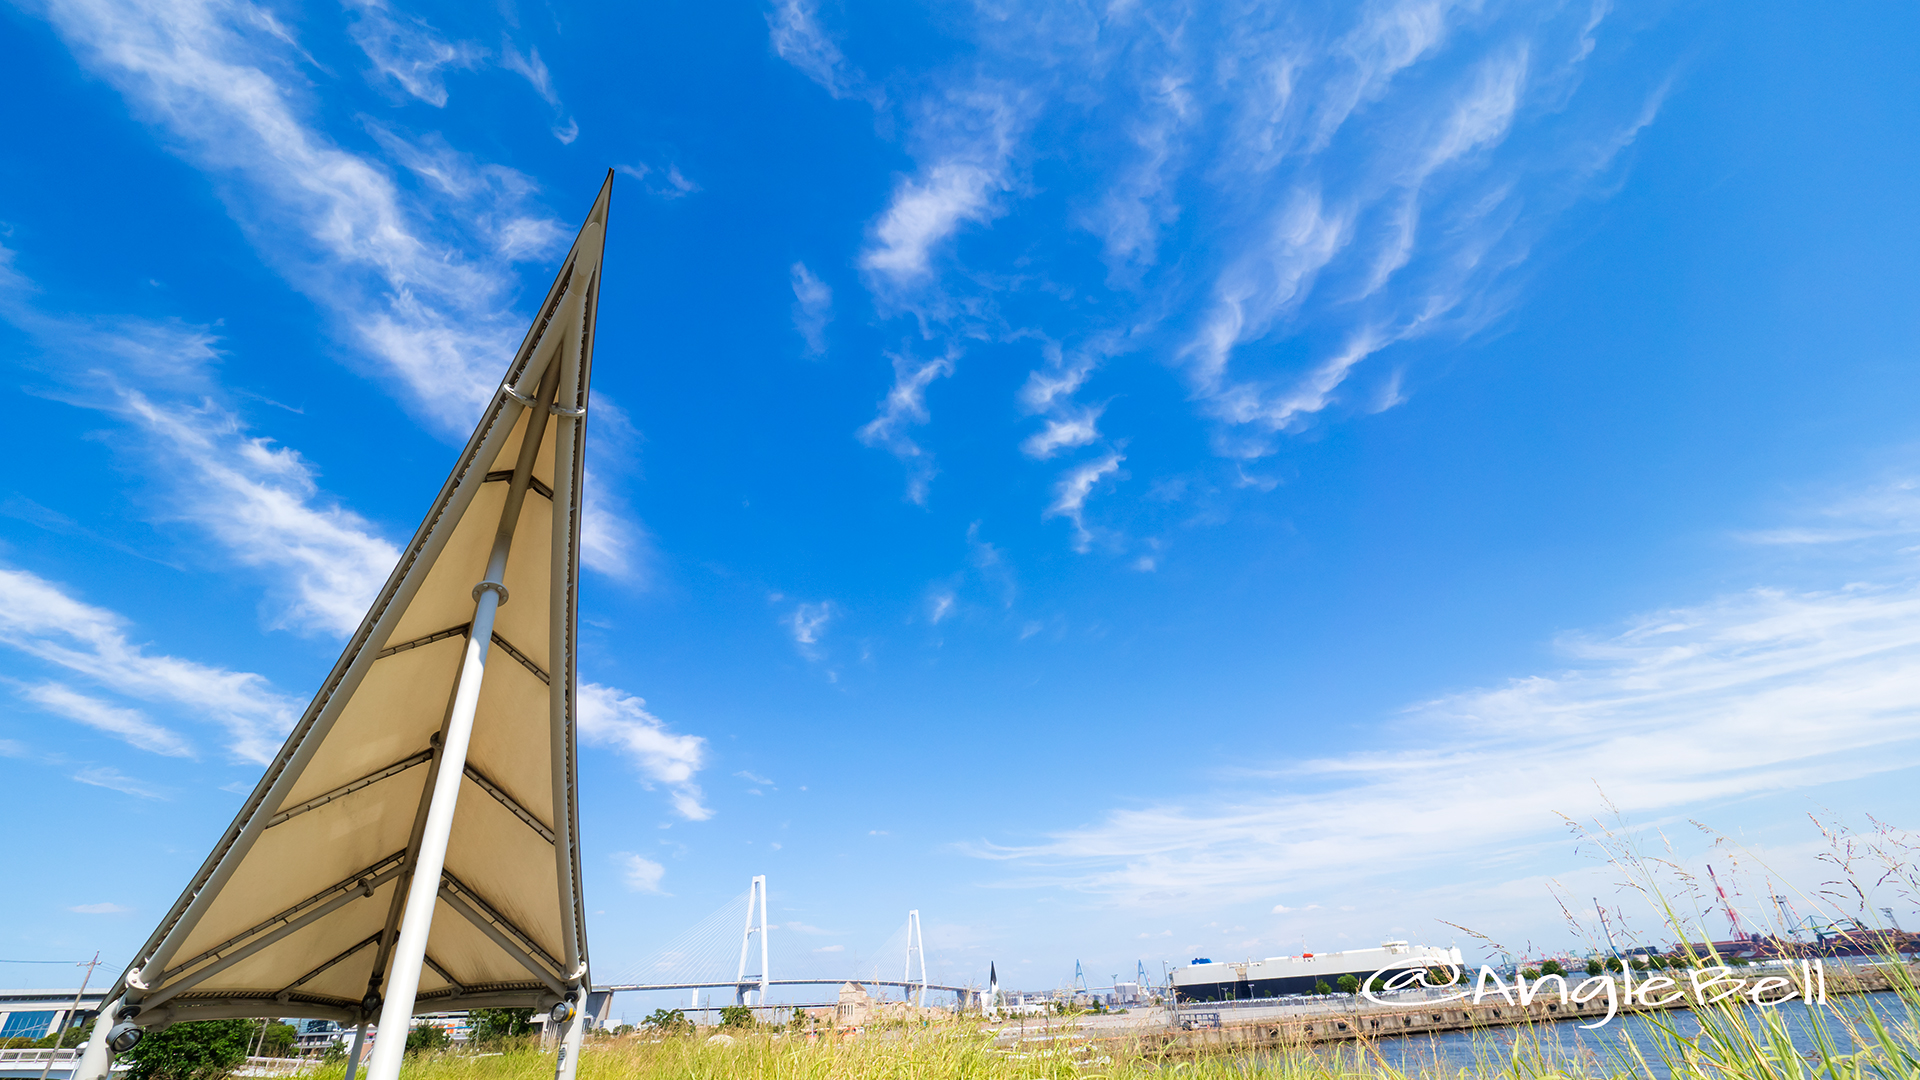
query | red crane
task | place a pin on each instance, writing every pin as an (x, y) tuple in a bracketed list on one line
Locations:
[(1733, 918)]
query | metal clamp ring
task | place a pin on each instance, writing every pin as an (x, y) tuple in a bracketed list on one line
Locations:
[(560, 410), (516, 395), (493, 585)]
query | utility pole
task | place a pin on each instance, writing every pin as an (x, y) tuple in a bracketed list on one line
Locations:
[(61, 1031)]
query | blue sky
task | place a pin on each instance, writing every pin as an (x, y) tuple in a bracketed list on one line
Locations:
[(1129, 481)]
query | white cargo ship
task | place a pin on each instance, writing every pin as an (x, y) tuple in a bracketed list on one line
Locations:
[(1277, 976)]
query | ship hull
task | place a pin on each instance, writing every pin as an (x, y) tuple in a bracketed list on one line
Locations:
[(1284, 976)]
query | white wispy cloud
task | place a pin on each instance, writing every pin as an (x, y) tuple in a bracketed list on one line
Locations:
[(1346, 181), (905, 406), (661, 181), (114, 780), (262, 504), (1076, 428), (794, 31), (939, 606), (965, 139), (812, 308), (619, 721), (807, 622), (640, 873), (1070, 495), (40, 619), (531, 68), (399, 282), (260, 501), (925, 211), (407, 50), (1747, 695), (130, 725), (613, 541)]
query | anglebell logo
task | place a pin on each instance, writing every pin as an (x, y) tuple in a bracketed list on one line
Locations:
[(1706, 986)]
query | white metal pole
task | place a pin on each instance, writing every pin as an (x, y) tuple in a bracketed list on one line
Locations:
[(416, 921), (764, 974), (571, 1036), (359, 1044), (409, 955)]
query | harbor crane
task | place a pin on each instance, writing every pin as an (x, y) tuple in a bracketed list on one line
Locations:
[(1733, 917)]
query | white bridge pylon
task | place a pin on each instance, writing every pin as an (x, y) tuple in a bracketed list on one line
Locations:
[(916, 950), (694, 960), (757, 891)]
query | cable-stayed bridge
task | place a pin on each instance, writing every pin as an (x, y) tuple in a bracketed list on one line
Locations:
[(732, 950)]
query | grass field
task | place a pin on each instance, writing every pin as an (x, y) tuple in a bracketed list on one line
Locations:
[(1851, 1040)]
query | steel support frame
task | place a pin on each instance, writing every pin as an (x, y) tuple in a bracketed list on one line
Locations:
[(569, 408), (428, 863), (181, 985), (531, 360)]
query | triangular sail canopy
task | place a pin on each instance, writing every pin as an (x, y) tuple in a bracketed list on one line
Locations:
[(298, 909)]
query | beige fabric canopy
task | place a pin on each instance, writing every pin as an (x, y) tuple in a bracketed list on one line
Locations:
[(299, 908)]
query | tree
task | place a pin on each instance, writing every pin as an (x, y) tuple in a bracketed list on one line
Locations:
[(70, 1038), (799, 1017), (1594, 967), (491, 1027), (736, 1016), (668, 1022), (277, 1041), (1553, 967), (201, 1050), (427, 1038), (1613, 963), (1320, 987), (1348, 984), (1530, 973)]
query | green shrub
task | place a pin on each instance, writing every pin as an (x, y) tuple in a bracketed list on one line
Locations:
[(427, 1038), (1348, 984), (736, 1016), (1594, 967), (491, 1027), (202, 1050), (668, 1022), (1320, 987), (1553, 967)]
